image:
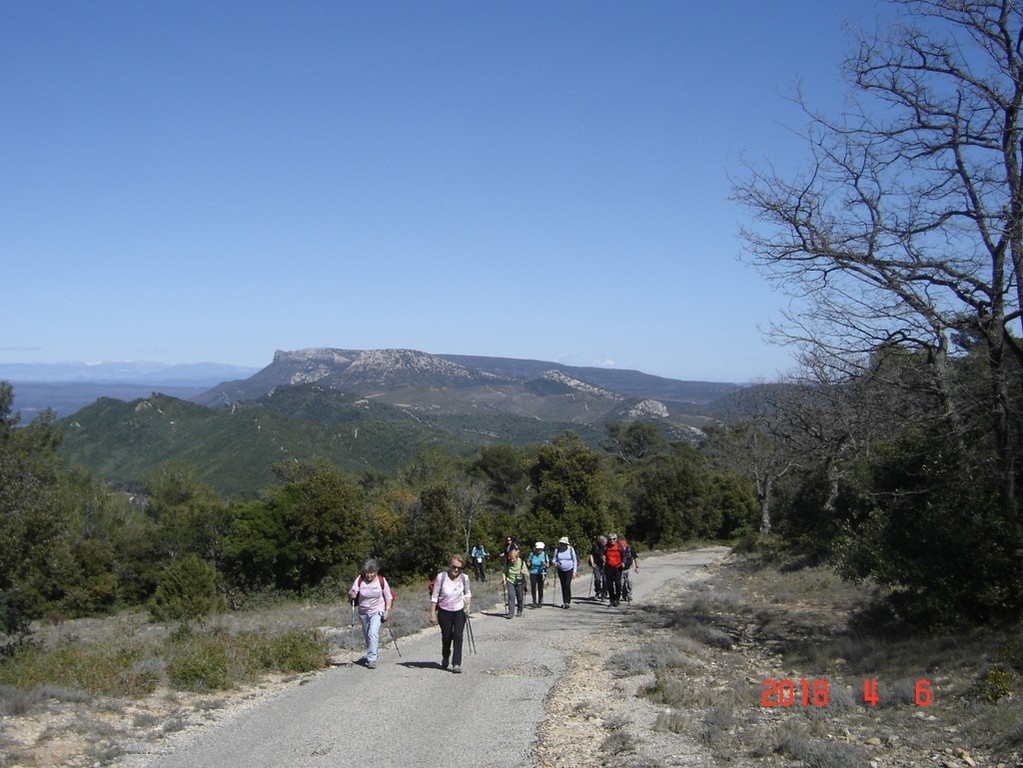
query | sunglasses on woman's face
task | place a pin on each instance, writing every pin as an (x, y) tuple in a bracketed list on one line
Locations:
[(455, 567)]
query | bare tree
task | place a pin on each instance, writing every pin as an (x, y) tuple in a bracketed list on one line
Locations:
[(906, 229), (469, 500), (750, 444)]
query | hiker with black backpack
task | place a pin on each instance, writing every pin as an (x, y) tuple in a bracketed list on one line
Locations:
[(372, 594), (449, 606)]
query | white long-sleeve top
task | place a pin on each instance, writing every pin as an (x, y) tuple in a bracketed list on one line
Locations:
[(451, 594)]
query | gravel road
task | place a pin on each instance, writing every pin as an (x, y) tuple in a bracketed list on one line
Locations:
[(410, 712)]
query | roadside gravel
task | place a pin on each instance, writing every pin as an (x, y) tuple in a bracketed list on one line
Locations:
[(594, 717)]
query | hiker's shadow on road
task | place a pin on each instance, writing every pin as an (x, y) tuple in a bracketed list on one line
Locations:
[(421, 664)]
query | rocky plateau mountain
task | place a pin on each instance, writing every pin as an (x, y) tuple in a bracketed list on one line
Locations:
[(465, 385)]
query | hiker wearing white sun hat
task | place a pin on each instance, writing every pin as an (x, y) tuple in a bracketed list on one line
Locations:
[(538, 563), (566, 562)]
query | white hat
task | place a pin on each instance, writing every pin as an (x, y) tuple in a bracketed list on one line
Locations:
[(539, 545), (563, 540)]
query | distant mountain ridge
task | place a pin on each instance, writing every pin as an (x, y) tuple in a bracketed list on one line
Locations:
[(395, 368), (371, 410), (623, 380)]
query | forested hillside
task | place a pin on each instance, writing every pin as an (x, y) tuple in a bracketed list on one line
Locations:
[(234, 449)]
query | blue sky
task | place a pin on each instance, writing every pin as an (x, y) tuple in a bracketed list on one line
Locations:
[(212, 181)]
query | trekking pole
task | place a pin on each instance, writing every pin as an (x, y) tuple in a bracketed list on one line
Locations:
[(472, 638), (351, 639), (394, 640)]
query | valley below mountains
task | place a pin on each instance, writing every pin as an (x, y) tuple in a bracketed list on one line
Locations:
[(370, 411)]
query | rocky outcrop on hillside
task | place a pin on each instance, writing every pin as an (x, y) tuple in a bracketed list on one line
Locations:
[(569, 382), (352, 369)]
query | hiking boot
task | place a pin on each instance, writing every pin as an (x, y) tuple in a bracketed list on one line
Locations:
[(456, 669), (371, 665)]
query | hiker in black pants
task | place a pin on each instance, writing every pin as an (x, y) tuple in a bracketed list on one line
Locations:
[(613, 561), (449, 605), (566, 565), (538, 563), (514, 576), (479, 556)]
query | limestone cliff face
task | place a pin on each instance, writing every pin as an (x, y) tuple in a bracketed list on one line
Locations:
[(560, 377), (341, 367)]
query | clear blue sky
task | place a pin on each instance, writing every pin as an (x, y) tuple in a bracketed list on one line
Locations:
[(212, 181)]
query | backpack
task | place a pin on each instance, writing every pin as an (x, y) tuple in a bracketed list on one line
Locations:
[(383, 585)]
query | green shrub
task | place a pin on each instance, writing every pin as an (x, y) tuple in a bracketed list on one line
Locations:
[(201, 663), (1011, 652), (189, 589), (15, 620), (96, 670), (293, 651), (996, 684)]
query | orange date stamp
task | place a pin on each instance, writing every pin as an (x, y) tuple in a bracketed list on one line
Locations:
[(817, 693)]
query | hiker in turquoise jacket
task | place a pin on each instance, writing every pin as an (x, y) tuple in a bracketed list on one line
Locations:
[(478, 555), (538, 563)]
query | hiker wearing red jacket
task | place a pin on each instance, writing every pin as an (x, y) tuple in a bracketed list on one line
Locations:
[(614, 561)]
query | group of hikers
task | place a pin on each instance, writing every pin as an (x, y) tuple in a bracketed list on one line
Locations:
[(610, 560)]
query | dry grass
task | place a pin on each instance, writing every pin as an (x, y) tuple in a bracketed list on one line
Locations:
[(83, 688)]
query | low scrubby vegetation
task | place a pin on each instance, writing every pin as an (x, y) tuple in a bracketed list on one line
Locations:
[(766, 662)]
